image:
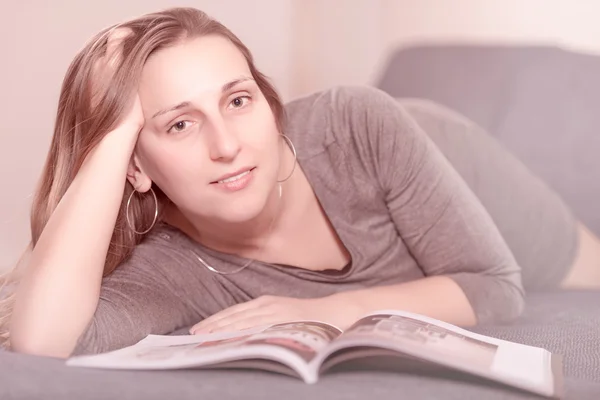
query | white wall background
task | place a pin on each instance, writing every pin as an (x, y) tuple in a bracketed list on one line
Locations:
[(348, 41), (303, 45)]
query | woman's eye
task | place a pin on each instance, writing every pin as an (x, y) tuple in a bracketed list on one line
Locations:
[(240, 101), (179, 126)]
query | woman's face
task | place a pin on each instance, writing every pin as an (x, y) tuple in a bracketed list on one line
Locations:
[(206, 119)]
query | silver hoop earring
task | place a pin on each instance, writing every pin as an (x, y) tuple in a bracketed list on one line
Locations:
[(155, 212), (295, 158)]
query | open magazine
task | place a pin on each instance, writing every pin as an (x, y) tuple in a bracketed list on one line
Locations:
[(308, 349)]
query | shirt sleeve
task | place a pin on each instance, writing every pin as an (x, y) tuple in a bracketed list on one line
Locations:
[(437, 216), (153, 292)]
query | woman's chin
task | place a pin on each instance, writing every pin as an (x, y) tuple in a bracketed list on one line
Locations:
[(239, 213)]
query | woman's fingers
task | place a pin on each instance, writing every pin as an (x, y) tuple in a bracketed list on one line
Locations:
[(114, 46), (246, 322), (218, 324), (226, 313)]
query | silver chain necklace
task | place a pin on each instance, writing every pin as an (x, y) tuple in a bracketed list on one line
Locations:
[(243, 267)]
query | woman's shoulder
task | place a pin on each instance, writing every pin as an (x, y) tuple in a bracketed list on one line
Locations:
[(336, 98), (359, 99), (346, 115), (352, 106)]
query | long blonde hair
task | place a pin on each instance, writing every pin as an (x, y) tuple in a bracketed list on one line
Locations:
[(80, 125)]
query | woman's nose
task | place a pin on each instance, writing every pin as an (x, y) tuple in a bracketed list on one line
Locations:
[(224, 143)]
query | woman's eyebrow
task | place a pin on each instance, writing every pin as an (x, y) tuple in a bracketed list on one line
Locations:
[(230, 85), (168, 110), (227, 86)]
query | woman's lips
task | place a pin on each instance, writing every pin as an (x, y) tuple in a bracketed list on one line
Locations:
[(236, 182)]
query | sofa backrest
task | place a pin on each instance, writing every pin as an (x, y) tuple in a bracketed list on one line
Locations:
[(543, 103)]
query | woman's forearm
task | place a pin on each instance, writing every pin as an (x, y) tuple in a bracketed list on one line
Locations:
[(437, 297), (59, 291)]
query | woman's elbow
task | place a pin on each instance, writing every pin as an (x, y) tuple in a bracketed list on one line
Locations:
[(515, 304), (495, 298), (509, 304), (39, 345)]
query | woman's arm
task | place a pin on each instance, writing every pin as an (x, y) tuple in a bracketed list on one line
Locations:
[(472, 275), (59, 290), (438, 297), (64, 307)]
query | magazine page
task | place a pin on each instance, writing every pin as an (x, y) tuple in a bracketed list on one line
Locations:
[(525, 367), (286, 348)]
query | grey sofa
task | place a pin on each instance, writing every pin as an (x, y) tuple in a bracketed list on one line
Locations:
[(541, 103)]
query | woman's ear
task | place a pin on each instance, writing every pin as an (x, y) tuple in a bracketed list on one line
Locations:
[(137, 177)]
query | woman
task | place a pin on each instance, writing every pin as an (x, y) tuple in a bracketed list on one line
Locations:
[(176, 193)]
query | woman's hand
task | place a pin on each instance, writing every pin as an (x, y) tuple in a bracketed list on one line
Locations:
[(103, 72), (267, 310)]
